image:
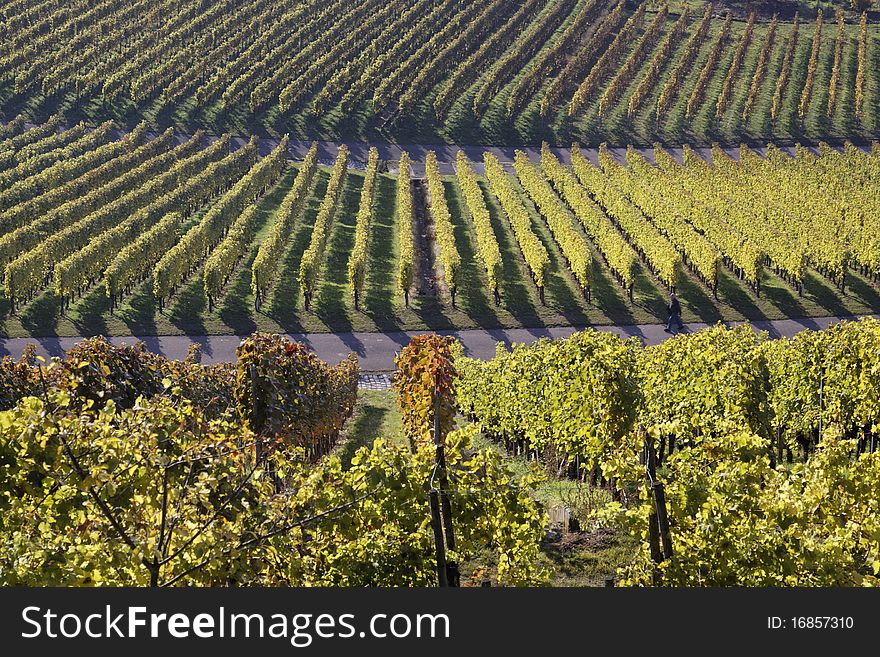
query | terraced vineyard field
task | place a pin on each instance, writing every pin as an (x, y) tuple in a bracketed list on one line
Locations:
[(422, 71), (161, 234)]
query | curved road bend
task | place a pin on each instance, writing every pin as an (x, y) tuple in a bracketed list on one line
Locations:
[(376, 351)]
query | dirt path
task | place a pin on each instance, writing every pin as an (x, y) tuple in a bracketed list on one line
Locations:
[(426, 278)]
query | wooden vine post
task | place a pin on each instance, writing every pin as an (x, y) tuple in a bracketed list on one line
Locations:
[(659, 534), (258, 419), (275, 381), (439, 548), (425, 394), (440, 464)]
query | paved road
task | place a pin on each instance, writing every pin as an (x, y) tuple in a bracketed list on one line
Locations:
[(446, 153), (376, 351)]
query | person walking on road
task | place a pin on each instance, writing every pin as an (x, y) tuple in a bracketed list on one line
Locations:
[(674, 308)]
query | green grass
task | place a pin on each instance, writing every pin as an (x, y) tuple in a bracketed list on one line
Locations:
[(333, 292), (817, 121), (644, 124), (588, 558), (703, 122), (673, 124), (584, 558), (731, 121), (375, 416), (759, 121), (843, 113)]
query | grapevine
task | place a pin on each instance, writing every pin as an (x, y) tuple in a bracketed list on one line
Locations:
[(761, 67), (732, 72), (572, 243), (838, 55), (708, 70), (265, 266), (787, 63), (443, 226), (405, 220), (807, 92), (487, 243), (312, 259), (671, 87), (357, 262), (535, 255)]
